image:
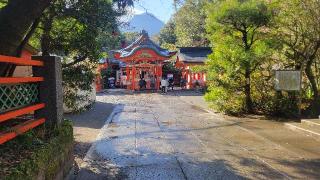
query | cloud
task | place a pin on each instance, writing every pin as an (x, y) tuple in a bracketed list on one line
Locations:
[(138, 11)]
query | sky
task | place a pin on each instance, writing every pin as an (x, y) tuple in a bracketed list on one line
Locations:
[(162, 9)]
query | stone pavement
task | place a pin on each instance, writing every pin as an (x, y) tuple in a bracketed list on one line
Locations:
[(173, 136)]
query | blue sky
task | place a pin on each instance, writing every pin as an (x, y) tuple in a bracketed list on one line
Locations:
[(162, 9)]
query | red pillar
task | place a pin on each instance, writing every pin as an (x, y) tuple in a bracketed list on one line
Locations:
[(159, 75), (133, 77), (128, 76)]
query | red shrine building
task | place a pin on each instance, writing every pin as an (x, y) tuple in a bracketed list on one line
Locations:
[(143, 59), (192, 56)]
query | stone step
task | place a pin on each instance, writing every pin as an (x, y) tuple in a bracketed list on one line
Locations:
[(311, 122), (305, 128)]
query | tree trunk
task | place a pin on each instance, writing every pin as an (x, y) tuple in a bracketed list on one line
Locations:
[(16, 19), (312, 80), (247, 88), (45, 38), (12, 67)]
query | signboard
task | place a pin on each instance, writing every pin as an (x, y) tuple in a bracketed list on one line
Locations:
[(287, 80)]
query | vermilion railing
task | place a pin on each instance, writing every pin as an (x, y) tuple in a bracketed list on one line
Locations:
[(19, 96)]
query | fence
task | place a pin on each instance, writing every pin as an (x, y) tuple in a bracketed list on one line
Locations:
[(24, 101)]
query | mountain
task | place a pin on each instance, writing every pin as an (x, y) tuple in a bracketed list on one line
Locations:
[(144, 21)]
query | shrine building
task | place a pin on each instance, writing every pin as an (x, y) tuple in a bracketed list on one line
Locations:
[(143, 60), (192, 56)]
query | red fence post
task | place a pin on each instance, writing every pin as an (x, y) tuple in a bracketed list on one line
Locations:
[(50, 90)]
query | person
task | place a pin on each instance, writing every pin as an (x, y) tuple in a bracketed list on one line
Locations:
[(153, 83), (164, 84), (144, 83), (141, 84), (183, 83), (171, 83)]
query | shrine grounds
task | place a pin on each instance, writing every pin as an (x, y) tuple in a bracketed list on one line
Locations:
[(176, 136)]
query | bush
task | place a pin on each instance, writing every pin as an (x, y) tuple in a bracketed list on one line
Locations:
[(223, 100), (27, 155), (75, 79)]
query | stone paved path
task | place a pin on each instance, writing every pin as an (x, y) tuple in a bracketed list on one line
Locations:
[(153, 136)]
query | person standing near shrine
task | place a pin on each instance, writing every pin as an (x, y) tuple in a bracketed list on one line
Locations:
[(153, 83), (164, 85)]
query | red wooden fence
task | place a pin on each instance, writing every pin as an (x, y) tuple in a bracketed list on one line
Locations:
[(12, 113)]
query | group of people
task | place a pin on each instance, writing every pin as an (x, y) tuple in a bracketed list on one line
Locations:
[(143, 83), (165, 84)]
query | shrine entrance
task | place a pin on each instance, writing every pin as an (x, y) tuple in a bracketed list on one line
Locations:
[(150, 73), (144, 60)]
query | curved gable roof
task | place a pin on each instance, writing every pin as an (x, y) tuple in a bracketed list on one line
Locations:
[(143, 42)]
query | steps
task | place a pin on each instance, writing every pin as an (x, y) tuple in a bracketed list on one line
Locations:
[(308, 127)]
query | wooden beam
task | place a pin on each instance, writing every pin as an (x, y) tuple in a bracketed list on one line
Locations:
[(12, 114), (20, 61), (14, 80), (20, 129)]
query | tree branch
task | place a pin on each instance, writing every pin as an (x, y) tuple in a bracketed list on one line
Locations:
[(76, 61)]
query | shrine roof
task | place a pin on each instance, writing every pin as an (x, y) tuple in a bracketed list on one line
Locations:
[(194, 54), (143, 42)]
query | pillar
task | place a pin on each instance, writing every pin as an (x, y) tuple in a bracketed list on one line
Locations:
[(128, 76), (159, 75), (133, 77), (50, 90)]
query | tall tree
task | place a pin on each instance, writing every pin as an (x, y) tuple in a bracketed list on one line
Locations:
[(16, 19), (167, 34), (190, 24), (79, 29), (298, 29), (241, 23)]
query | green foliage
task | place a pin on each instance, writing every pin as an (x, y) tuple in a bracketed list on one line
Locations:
[(190, 24), (130, 37), (170, 68), (34, 154), (199, 68), (82, 30), (167, 34), (225, 100), (75, 79), (237, 56), (298, 31), (79, 31), (3, 3)]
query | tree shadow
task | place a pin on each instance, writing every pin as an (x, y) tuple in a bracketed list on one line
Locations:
[(309, 168), (94, 117)]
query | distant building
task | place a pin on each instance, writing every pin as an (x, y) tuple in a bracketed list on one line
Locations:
[(140, 61), (27, 52), (192, 56)]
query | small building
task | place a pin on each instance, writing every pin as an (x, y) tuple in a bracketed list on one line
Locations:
[(192, 56), (115, 67)]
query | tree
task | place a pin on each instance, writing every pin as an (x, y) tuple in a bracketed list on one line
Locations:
[(190, 24), (167, 33), (18, 19), (242, 49), (130, 37), (78, 29), (298, 29)]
